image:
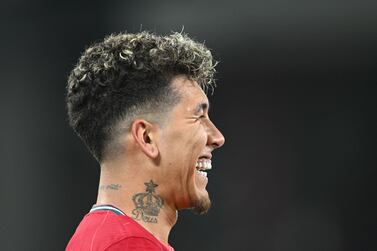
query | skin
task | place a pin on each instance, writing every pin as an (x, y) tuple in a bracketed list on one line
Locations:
[(169, 152)]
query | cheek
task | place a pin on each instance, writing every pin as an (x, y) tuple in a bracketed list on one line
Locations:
[(195, 146), (182, 148), (189, 138), (196, 141)]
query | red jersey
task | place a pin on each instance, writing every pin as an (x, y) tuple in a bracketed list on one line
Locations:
[(108, 228)]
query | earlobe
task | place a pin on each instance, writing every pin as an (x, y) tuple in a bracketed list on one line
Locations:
[(143, 133)]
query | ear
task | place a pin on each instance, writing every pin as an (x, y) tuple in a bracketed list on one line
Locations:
[(144, 135)]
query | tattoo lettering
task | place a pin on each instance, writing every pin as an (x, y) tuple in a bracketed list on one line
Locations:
[(147, 204), (110, 187)]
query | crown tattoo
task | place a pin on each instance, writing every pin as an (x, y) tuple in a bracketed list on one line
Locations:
[(147, 204)]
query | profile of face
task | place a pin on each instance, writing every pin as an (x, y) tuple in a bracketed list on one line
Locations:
[(186, 142)]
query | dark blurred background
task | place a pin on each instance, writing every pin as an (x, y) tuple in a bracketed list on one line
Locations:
[(296, 101)]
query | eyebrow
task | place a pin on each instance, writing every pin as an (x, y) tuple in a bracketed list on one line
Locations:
[(201, 107)]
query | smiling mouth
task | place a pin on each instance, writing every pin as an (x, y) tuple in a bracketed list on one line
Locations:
[(203, 165)]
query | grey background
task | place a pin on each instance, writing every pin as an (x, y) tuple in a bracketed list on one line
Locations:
[(296, 102)]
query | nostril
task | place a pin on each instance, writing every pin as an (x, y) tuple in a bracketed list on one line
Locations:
[(219, 141)]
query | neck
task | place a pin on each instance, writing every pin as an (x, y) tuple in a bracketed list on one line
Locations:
[(138, 196)]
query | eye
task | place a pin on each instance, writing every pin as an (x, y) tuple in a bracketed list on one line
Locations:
[(200, 117), (203, 118)]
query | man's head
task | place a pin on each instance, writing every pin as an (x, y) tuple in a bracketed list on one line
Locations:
[(131, 81), (128, 75)]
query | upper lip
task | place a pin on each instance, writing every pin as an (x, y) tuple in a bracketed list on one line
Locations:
[(206, 156)]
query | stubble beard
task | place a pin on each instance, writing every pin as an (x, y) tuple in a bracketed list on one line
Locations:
[(201, 206)]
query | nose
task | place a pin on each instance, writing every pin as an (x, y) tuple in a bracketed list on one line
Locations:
[(215, 137)]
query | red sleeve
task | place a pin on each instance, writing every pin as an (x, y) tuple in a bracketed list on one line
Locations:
[(134, 243)]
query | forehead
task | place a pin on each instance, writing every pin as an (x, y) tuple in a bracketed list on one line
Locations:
[(192, 96)]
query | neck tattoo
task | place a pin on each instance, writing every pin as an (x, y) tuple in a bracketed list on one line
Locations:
[(110, 187), (147, 204)]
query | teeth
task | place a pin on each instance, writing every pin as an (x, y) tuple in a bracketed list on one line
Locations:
[(204, 164), (202, 173)]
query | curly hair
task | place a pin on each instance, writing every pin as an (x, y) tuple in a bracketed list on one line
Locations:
[(128, 75)]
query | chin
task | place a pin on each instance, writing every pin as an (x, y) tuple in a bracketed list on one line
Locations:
[(201, 206)]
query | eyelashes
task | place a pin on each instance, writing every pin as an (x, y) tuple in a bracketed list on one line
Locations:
[(203, 118)]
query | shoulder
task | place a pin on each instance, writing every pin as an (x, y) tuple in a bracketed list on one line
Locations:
[(104, 229)]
